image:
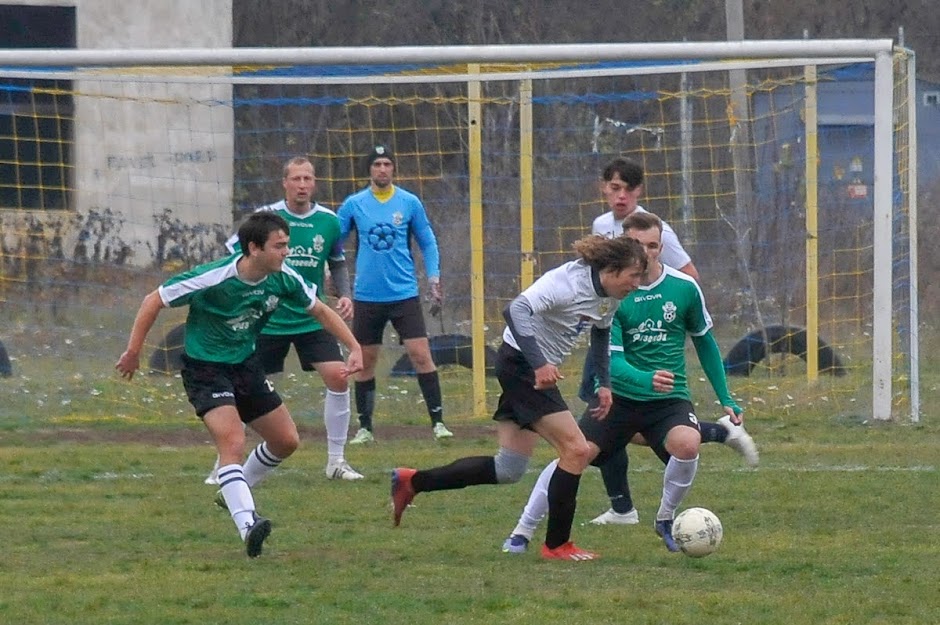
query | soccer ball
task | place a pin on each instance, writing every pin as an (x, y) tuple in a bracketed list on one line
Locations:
[(697, 531)]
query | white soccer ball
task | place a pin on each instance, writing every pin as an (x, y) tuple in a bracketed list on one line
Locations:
[(697, 531)]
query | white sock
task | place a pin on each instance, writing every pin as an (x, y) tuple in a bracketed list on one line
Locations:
[(677, 480), (537, 506), (237, 494), (260, 463), (336, 419)]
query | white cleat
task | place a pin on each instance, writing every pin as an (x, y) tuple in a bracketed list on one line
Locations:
[(340, 470), (740, 441), (615, 518), (441, 431), (213, 478), (362, 437)]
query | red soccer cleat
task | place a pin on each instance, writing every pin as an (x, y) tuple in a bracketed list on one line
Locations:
[(567, 551), (402, 491)]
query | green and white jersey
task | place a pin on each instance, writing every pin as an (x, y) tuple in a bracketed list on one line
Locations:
[(649, 331), (226, 313), (314, 240)]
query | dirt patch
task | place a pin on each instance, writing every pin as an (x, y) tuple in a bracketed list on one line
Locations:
[(188, 436)]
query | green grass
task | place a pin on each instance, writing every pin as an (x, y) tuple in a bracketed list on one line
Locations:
[(835, 526), (107, 519)]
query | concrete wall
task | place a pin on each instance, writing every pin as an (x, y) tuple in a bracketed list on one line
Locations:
[(153, 152)]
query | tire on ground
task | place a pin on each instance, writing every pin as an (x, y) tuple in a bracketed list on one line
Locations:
[(168, 356), (448, 349), (751, 349), (6, 367)]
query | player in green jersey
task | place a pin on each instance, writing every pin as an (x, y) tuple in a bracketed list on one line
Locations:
[(229, 301), (648, 382), (315, 244)]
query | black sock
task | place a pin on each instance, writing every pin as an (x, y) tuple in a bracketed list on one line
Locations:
[(712, 432), (469, 471), (562, 502), (365, 402), (614, 472), (430, 385)]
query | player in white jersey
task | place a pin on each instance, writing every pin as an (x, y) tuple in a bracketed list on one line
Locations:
[(648, 380), (229, 301), (543, 323), (315, 243)]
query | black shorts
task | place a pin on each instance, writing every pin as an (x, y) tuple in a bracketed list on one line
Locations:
[(312, 347), (212, 384), (371, 317), (652, 419), (520, 402)]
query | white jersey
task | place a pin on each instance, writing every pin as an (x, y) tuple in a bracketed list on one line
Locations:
[(565, 304), (673, 253)]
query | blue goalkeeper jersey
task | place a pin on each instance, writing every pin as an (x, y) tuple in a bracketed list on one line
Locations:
[(385, 268)]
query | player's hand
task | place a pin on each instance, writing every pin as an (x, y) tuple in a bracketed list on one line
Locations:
[(127, 364), (663, 381), (605, 401), (353, 362), (436, 296), (547, 376), (344, 307), (737, 417)]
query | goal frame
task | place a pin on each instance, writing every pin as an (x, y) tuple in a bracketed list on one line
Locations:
[(709, 55)]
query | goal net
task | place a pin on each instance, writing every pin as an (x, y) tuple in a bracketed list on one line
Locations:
[(784, 168)]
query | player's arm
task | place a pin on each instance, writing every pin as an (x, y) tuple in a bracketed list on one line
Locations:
[(427, 242), (334, 324), (129, 362), (628, 374), (599, 353), (424, 235), (709, 355), (339, 275), (520, 318)]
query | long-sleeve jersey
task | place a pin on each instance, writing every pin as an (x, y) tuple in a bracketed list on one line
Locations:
[(564, 303), (385, 268)]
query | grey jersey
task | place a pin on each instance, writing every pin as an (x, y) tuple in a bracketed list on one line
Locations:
[(564, 304)]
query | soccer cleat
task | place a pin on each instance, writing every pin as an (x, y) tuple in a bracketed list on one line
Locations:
[(441, 431), (740, 441), (615, 518), (213, 477), (664, 529), (219, 500), (340, 470), (402, 492), (257, 533), (362, 437), (517, 543), (567, 551)]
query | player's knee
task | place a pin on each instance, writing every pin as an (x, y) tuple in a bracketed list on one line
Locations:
[(510, 465), (577, 456), (285, 445), (683, 445)]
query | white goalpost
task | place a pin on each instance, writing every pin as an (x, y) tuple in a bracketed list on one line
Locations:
[(118, 162)]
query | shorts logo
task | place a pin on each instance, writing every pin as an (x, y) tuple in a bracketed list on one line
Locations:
[(269, 386), (223, 394), (693, 418)]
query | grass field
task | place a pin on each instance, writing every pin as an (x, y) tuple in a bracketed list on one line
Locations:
[(108, 520), (111, 523)]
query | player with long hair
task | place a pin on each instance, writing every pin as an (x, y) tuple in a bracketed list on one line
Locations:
[(542, 325)]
